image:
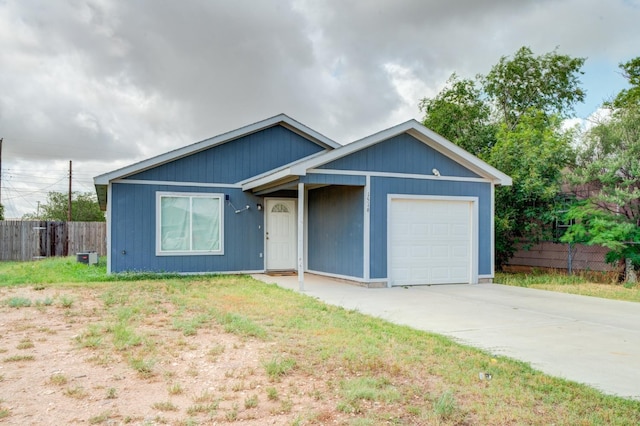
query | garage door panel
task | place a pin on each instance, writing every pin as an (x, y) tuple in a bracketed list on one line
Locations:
[(429, 241), (420, 252), (440, 230), (462, 230)]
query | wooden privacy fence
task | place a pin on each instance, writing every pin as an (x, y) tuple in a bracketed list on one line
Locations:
[(550, 255), (28, 240)]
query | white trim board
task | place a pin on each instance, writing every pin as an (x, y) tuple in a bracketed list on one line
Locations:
[(109, 221), (221, 224), (396, 175), (418, 131), (366, 249)]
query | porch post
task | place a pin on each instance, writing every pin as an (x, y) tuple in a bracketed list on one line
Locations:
[(301, 235)]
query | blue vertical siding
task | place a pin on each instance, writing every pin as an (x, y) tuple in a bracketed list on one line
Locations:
[(381, 187), (236, 160), (335, 230), (133, 232), (400, 154)]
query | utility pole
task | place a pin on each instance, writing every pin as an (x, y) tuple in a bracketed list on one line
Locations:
[(69, 203)]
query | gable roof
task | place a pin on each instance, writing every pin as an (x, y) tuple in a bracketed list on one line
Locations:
[(284, 120), (411, 127)]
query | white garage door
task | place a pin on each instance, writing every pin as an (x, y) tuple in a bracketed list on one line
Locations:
[(430, 241)]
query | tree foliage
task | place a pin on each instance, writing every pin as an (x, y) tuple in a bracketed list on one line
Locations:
[(84, 208), (534, 154), (511, 119), (608, 169), (629, 98), (548, 83), (1, 212), (461, 114)]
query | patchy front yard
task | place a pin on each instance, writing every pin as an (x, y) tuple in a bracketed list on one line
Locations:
[(77, 357), (222, 350)]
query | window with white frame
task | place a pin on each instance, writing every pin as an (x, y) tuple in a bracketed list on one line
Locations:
[(189, 223)]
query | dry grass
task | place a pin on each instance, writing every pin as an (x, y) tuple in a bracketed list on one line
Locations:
[(586, 284), (231, 349)]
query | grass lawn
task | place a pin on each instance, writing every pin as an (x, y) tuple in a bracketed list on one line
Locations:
[(586, 285), (285, 358)]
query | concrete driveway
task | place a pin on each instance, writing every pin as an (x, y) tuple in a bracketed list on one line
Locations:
[(585, 339)]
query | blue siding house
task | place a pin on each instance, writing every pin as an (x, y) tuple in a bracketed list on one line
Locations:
[(400, 207)]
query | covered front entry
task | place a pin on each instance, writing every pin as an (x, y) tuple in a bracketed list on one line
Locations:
[(280, 234), (431, 241)]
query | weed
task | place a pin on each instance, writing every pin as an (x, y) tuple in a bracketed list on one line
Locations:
[(272, 394), (19, 302), (112, 393), (19, 358), (25, 344), (366, 389), (215, 351), (316, 395), (165, 406), (232, 415), (241, 325), (77, 392), (100, 418), (205, 397), (46, 302), (1, 377), (143, 367), (58, 379), (175, 389), (124, 337), (445, 406), (92, 337), (189, 327), (286, 406), (4, 412), (209, 408), (251, 402), (278, 367), (66, 302)]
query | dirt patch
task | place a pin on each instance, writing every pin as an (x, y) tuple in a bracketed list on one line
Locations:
[(210, 377)]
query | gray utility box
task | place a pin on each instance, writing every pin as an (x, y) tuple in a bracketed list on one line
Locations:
[(88, 258)]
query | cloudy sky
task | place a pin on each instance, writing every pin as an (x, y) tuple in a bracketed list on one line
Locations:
[(105, 83)]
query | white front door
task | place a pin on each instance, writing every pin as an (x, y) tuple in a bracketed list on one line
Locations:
[(280, 234)]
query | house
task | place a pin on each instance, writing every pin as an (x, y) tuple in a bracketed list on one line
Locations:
[(400, 207)]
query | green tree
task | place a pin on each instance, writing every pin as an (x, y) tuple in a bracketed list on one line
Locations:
[(84, 208), (461, 114), (1, 212), (534, 153), (511, 119), (548, 83), (629, 98), (608, 169)]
